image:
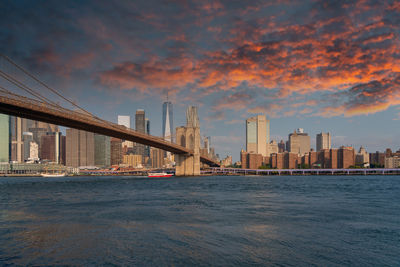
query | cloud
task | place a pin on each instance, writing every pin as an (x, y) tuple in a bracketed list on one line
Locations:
[(244, 56), (150, 76), (215, 116), (395, 6), (327, 55), (367, 98), (236, 101), (211, 6), (215, 29), (306, 111)]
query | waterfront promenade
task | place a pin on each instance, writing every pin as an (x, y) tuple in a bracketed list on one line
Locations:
[(363, 171), (28, 170)]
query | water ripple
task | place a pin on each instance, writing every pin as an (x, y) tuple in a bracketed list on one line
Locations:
[(280, 221)]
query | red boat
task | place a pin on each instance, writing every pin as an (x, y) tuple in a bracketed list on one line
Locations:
[(159, 174)]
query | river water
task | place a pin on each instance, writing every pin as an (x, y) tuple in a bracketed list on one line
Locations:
[(202, 221)]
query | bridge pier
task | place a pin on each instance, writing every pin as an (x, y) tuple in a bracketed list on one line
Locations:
[(188, 165)]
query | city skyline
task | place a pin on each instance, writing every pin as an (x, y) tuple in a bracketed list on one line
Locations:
[(322, 66), (199, 132)]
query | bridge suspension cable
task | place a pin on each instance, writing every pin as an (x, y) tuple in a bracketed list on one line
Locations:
[(39, 96), (43, 84), (24, 87)]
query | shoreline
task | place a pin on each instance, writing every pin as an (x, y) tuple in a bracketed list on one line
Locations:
[(211, 174)]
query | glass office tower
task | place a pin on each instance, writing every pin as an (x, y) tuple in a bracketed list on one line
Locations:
[(167, 120), (4, 138)]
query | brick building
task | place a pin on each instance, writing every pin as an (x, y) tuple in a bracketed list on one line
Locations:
[(277, 160), (243, 159), (252, 160), (377, 159), (334, 158), (346, 157), (255, 161), (313, 160), (291, 160), (79, 148)]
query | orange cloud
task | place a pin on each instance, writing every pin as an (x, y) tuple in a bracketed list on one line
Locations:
[(212, 6), (329, 55), (306, 111), (395, 6), (235, 101), (367, 98), (142, 77)]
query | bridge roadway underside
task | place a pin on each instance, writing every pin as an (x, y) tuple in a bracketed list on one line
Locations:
[(71, 119)]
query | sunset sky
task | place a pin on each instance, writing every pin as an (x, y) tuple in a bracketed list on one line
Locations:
[(319, 65)]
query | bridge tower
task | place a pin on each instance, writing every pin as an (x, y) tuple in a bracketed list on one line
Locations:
[(189, 136)]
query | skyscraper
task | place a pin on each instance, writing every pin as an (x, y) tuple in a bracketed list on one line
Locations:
[(47, 153), (207, 144), (167, 127), (147, 123), (125, 121), (102, 150), (167, 121), (323, 141), (39, 129), (299, 142), (79, 148), (60, 148), (116, 151), (147, 148), (4, 138), (257, 135), (27, 138), (140, 126), (140, 121), (281, 146), (53, 148), (17, 144)]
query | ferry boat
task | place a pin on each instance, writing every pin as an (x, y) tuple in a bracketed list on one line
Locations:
[(159, 174), (53, 174)]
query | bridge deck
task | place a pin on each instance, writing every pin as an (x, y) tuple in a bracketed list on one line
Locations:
[(28, 108)]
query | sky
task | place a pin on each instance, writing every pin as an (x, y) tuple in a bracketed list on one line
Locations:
[(319, 65)]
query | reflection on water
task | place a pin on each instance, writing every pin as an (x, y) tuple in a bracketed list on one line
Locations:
[(200, 221)]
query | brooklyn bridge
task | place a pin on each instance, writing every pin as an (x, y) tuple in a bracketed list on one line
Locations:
[(38, 106)]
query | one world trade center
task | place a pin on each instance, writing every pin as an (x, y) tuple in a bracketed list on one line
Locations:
[(168, 129)]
